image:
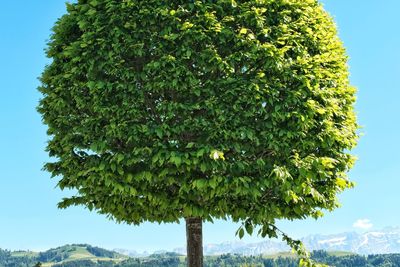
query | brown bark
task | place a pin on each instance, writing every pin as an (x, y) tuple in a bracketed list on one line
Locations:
[(194, 239)]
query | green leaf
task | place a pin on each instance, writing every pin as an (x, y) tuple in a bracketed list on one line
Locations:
[(120, 170), (113, 167), (102, 166), (249, 228), (241, 233), (213, 184), (93, 3), (190, 145), (177, 160), (341, 183), (203, 167), (120, 158), (200, 152), (159, 133), (243, 31), (187, 25)]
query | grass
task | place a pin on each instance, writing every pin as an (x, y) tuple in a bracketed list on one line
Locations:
[(340, 253), (24, 254)]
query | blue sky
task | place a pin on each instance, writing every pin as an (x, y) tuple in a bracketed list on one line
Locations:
[(29, 218)]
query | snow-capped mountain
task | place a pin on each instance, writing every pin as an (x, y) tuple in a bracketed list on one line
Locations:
[(242, 248), (131, 253), (386, 240)]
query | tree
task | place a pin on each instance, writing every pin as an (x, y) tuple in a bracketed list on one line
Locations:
[(163, 110)]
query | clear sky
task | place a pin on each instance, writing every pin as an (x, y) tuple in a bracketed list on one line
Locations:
[(29, 218)]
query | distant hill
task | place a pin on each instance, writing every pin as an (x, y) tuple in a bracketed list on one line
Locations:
[(78, 252), (85, 255)]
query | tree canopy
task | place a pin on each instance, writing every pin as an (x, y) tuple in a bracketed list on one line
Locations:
[(160, 110)]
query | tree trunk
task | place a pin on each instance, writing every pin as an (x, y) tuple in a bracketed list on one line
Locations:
[(194, 239)]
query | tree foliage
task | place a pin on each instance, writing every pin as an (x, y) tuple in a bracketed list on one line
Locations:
[(159, 110)]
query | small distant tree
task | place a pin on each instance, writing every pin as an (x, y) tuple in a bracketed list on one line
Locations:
[(38, 264), (164, 110)]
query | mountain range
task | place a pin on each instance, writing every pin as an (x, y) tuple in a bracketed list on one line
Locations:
[(383, 241)]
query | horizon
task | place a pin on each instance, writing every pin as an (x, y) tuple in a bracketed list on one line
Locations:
[(240, 241), (29, 218)]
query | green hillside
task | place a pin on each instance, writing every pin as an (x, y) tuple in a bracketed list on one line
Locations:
[(85, 255), (80, 251)]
